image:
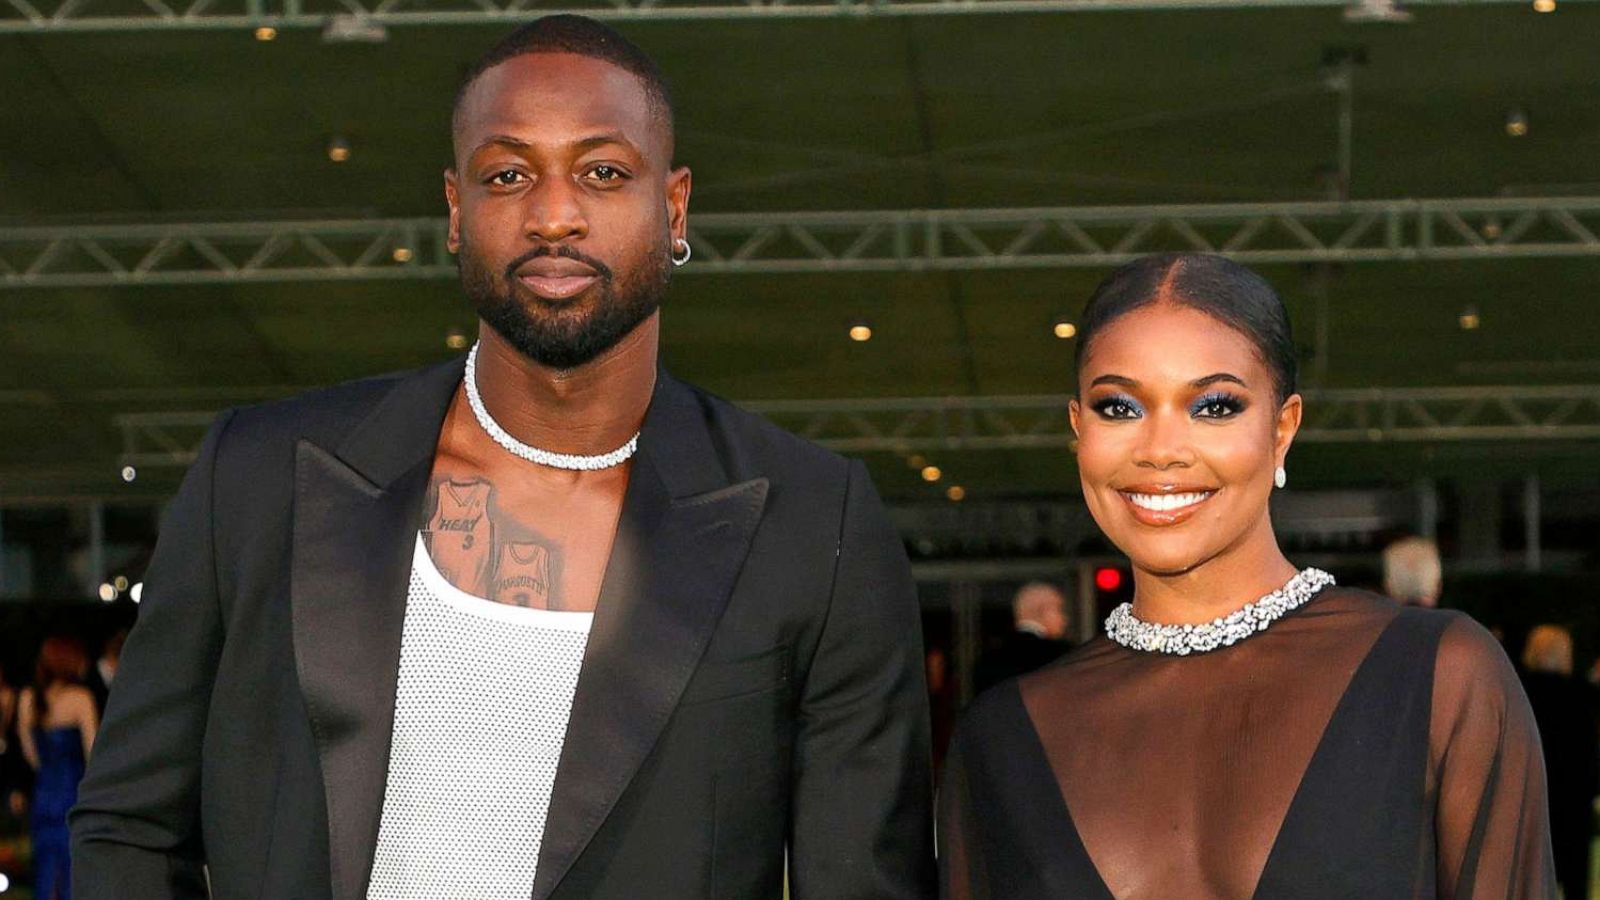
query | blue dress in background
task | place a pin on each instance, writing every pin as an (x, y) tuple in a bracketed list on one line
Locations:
[(55, 790)]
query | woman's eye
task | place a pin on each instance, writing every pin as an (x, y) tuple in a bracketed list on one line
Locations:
[(1116, 409), (1217, 407)]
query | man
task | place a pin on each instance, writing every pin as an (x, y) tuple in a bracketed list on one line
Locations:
[(446, 635), (1412, 574), (1039, 613)]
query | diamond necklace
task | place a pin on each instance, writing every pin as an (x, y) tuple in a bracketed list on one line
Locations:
[(528, 452), (1181, 640)]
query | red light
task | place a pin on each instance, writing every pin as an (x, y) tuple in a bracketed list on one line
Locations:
[(1107, 578)]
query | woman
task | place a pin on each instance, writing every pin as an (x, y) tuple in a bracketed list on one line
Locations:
[(1565, 711), (56, 726), (1300, 740)]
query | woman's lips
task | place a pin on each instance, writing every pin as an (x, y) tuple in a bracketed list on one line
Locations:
[(1166, 508), (557, 287)]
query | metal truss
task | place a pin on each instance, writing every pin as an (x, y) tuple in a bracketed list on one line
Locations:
[(1006, 423), (868, 241), (366, 19)]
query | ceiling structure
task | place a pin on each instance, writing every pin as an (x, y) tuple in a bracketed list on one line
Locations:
[(960, 182)]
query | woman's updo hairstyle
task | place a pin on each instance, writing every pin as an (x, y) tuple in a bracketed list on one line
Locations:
[(1214, 285)]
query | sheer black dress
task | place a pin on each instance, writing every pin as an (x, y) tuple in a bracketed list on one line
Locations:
[(1356, 749)]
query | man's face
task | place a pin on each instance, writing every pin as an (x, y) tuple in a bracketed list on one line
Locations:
[(563, 204)]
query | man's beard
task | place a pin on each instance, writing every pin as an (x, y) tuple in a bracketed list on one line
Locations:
[(564, 334)]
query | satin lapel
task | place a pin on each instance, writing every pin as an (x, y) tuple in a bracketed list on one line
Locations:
[(355, 519), (671, 572), (352, 560)]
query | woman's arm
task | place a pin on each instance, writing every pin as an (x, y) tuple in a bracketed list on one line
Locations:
[(25, 726)]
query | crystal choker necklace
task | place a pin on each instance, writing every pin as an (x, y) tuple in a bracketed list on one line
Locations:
[(528, 452), (1181, 640)]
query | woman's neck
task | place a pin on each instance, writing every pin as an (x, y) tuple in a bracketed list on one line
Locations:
[(1240, 574)]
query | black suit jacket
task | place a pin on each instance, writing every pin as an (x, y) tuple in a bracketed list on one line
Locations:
[(752, 684)]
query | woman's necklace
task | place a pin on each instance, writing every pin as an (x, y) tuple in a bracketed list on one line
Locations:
[(527, 451), (1181, 640)]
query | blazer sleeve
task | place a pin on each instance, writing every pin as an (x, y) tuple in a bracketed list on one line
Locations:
[(136, 829), (861, 823)]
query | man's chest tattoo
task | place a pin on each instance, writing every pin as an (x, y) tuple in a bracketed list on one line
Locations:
[(485, 552)]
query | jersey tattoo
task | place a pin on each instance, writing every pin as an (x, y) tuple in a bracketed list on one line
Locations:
[(523, 576), (461, 535)]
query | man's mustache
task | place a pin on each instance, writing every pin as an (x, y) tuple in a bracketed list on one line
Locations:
[(558, 250)]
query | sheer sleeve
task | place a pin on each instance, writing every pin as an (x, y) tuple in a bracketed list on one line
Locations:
[(1492, 820), (960, 859)]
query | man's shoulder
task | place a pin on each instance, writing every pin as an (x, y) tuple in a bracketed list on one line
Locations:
[(324, 414), (764, 445)]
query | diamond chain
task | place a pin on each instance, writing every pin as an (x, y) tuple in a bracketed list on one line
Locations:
[(570, 461), (1181, 640)]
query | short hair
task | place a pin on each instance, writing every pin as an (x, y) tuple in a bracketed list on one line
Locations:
[(1411, 571), (582, 36), (1549, 649), (1214, 285)]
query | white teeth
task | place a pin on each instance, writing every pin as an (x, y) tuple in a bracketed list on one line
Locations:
[(1167, 502)]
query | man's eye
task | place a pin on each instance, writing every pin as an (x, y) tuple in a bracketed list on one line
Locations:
[(607, 173), (505, 178)]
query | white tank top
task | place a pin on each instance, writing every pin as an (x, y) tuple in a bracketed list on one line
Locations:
[(481, 709)]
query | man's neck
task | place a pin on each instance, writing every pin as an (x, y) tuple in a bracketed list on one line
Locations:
[(594, 408)]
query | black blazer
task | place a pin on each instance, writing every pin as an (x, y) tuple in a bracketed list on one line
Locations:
[(753, 681)]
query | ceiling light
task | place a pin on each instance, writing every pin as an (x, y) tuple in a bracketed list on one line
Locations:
[(136, 592), (1469, 319), (1544, 6), (956, 492), (916, 461), (266, 33), (455, 339), (129, 473), (1492, 228), (1516, 123), (860, 332), (1065, 329), (108, 593), (931, 473), (338, 149), (120, 582), (401, 254)]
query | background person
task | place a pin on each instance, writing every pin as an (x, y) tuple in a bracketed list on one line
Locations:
[(1412, 574), (1565, 709), (1038, 638), (56, 724)]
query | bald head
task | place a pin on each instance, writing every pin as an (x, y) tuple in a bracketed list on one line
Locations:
[(1411, 571), (1042, 609)]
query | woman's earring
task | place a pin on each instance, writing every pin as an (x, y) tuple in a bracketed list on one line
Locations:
[(1280, 477), (687, 252)]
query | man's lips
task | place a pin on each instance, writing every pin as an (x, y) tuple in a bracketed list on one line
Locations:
[(1164, 504), (556, 278)]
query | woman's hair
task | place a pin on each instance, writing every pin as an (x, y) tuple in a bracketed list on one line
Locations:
[(1549, 649), (1214, 285), (61, 660)]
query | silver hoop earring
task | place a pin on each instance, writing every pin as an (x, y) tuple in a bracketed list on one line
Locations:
[(1280, 477), (687, 252)]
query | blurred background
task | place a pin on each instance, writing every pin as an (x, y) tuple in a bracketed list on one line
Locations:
[(900, 207)]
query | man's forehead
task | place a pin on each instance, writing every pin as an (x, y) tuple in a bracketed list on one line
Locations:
[(554, 89)]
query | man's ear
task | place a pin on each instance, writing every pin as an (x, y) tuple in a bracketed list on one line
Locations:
[(452, 197), (679, 183)]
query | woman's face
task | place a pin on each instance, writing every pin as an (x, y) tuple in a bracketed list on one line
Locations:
[(1179, 431)]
